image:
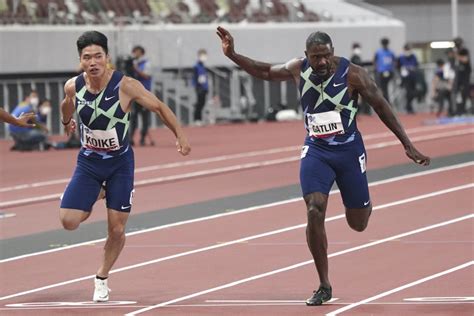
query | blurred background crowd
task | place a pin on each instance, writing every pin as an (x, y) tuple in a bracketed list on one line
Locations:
[(171, 48)]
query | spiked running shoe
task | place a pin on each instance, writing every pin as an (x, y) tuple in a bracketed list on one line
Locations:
[(320, 296), (101, 290)]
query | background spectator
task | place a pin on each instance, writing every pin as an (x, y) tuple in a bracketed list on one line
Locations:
[(441, 86), (31, 138), (384, 62), (201, 85), (463, 75), (408, 66), (142, 72)]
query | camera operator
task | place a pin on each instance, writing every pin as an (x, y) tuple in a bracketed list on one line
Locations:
[(140, 68)]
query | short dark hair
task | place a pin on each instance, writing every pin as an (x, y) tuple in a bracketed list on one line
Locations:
[(463, 52), (384, 41), (458, 41), (31, 91), (140, 48), (92, 38), (43, 101), (440, 62), (355, 45), (319, 38)]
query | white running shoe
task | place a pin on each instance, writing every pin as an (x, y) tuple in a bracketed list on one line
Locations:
[(101, 290)]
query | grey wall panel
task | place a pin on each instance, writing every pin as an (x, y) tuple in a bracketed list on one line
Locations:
[(31, 49), (430, 20)]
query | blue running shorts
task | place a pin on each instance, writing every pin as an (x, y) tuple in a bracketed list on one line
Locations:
[(117, 174), (322, 164)]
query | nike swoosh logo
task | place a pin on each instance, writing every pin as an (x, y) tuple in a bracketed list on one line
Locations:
[(337, 84), (366, 203), (107, 99), (125, 207)]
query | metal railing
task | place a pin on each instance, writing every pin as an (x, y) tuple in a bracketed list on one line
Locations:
[(233, 96)]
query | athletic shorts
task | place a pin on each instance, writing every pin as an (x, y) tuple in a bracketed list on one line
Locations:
[(117, 175), (322, 164)]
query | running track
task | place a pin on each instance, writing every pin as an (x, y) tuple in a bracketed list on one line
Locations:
[(234, 239)]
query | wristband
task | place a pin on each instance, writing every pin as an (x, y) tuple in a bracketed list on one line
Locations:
[(66, 123)]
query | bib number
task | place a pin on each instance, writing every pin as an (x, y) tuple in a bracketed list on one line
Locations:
[(325, 124), (99, 140)]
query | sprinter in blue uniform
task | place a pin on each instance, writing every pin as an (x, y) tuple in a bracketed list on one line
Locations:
[(102, 98), (333, 149)]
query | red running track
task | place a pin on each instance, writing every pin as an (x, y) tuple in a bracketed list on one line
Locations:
[(401, 246)]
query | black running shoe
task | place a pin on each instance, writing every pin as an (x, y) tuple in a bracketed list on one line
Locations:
[(320, 296)]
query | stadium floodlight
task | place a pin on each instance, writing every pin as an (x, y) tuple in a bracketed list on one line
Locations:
[(442, 44)]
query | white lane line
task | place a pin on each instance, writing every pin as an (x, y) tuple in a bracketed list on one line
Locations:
[(239, 167), (166, 166), (237, 241), (206, 172), (248, 209), (398, 289), (422, 138), (220, 158), (295, 303), (299, 303), (295, 266)]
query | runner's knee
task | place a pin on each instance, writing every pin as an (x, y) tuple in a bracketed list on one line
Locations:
[(70, 224), (358, 226), (358, 219), (71, 219), (117, 232), (316, 210)]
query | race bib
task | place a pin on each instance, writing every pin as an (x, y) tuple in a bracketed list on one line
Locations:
[(100, 140), (325, 124)]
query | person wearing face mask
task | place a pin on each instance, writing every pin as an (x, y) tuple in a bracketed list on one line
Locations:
[(44, 109), (408, 66), (142, 71), (356, 54), (201, 85), (29, 138), (384, 62)]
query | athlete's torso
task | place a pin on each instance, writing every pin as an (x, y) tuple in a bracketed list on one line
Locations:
[(103, 123), (329, 110)]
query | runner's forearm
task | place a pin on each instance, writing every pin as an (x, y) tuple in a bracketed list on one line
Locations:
[(7, 117), (67, 110), (170, 120), (390, 120), (253, 67)]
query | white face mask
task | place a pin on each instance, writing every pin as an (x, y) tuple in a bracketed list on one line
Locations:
[(357, 51), (45, 110), (203, 57), (34, 101)]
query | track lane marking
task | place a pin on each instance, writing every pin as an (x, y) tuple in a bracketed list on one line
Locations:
[(301, 264), (238, 241), (400, 288), (248, 209), (218, 158), (239, 167)]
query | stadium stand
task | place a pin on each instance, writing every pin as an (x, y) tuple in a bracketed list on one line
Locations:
[(79, 12)]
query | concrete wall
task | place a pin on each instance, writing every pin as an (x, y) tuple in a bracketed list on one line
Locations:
[(430, 20), (46, 49)]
